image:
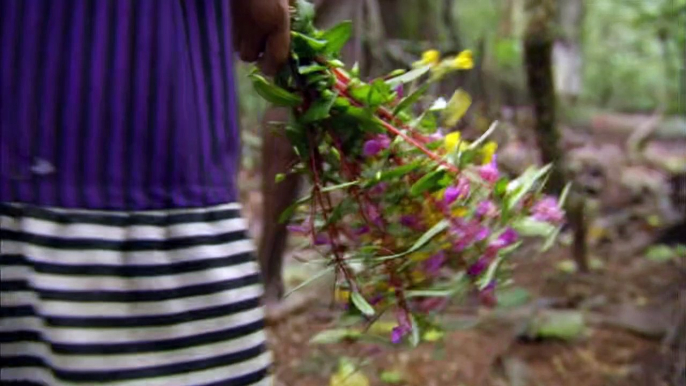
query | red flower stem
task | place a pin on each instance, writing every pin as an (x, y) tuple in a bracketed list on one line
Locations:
[(342, 88), (382, 110)]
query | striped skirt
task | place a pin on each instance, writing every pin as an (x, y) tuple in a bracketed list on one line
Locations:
[(151, 298)]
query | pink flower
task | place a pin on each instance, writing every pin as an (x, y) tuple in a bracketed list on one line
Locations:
[(489, 172), (548, 209), (373, 146), (459, 191), (486, 208)]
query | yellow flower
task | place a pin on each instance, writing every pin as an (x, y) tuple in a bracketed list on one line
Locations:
[(419, 256), (452, 140), (341, 295), (464, 61), (429, 58), (489, 150), (432, 335), (382, 328), (417, 277), (459, 212)]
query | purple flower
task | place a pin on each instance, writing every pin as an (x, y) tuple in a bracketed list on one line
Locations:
[(548, 209), (486, 208), (432, 304), (437, 136), (373, 146), (322, 239), (361, 230), (403, 328), (452, 193), (478, 267), (379, 188), (489, 172), (505, 239), (400, 90), (481, 233), (303, 228), (372, 213), (433, 264), (487, 295), (298, 228), (468, 233), (411, 221), (508, 237)]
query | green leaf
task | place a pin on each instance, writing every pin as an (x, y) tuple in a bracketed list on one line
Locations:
[(311, 68), (337, 36), (407, 77), (564, 195), (361, 304), (379, 93), (484, 136), (425, 238), (279, 177), (565, 325), (304, 15), (397, 172), (302, 41), (273, 93), (312, 279), (288, 212), (415, 336), (661, 253), (335, 336), (427, 182), (391, 377), (319, 109), (513, 297), (519, 187), (457, 107), (530, 227), (411, 99)]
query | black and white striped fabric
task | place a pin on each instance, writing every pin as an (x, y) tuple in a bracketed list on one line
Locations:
[(151, 298)]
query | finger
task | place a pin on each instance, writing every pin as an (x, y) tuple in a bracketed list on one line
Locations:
[(251, 46), (277, 49)]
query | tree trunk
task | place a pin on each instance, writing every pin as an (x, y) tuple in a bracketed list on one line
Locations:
[(567, 56), (538, 51)]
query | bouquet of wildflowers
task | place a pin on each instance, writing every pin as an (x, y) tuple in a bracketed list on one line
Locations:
[(407, 217)]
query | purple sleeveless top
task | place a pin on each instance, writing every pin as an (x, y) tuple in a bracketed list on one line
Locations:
[(117, 104)]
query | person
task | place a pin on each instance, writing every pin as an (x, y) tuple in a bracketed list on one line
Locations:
[(123, 252)]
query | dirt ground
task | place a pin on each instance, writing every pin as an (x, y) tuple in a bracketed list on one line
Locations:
[(491, 354)]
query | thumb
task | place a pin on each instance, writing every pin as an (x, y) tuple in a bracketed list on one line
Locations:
[(277, 48)]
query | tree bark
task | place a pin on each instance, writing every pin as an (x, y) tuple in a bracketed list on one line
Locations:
[(538, 51)]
